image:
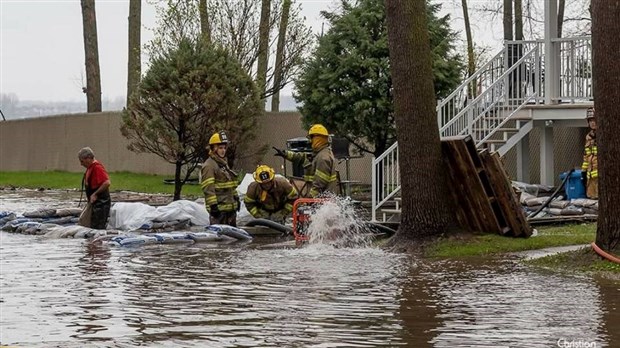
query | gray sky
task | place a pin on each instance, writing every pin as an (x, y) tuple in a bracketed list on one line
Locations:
[(42, 51)]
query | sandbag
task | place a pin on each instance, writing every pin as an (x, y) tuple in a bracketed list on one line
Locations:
[(572, 210), (230, 231), (560, 204), (536, 201), (173, 238), (62, 212), (40, 213), (85, 216), (201, 237), (584, 202)]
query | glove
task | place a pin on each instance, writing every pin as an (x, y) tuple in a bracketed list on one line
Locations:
[(279, 152), (584, 178), (214, 210)]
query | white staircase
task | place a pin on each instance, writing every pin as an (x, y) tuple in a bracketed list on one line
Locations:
[(489, 104)]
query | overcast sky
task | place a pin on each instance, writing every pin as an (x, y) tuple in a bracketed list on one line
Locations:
[(42, 51)]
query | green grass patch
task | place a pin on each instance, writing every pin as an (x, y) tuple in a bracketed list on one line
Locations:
[(121, 181), (490, 244), (584, 261)]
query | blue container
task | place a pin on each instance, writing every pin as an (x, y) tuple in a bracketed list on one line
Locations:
[(574, 186)]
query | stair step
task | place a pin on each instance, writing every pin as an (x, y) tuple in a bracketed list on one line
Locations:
[(513, 130), (495, 141), (391, 211)]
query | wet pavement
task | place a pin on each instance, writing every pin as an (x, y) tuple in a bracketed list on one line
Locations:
[(71, 293)]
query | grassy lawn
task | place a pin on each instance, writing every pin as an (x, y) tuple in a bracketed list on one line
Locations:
[(584, 260), (121, 181), (490, 244)]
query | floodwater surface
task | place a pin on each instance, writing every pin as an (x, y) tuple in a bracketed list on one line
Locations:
[(72, 293)]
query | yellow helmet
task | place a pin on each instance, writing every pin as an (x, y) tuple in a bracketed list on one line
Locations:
[(590, 113), (264, 174), (318, 129), (218, 138)]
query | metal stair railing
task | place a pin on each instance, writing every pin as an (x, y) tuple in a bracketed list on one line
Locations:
[(490, 110), (385, 178), (454, 103)]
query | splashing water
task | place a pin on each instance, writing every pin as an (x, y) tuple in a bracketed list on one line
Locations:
[(336, 222)]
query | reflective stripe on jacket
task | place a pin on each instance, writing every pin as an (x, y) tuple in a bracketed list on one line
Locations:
[(279, 199), (219, 185), (324, 170), (590, 157)]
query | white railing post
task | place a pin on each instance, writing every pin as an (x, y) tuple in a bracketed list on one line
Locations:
[(375, 182)]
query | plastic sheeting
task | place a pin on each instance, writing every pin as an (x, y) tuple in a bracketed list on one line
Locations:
[(132, 216)]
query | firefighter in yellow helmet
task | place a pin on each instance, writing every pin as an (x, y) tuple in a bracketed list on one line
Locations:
[(589, 168), (219, 183), (320, 172), (270, 196)]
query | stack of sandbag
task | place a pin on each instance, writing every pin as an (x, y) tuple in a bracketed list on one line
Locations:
[(213, 233), (558, 206), (75, 231)]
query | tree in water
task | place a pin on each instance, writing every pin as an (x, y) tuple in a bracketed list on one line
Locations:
[(427, 209), (91, 55), (188, 93), (346, 84), (134, 65), (605, 43)]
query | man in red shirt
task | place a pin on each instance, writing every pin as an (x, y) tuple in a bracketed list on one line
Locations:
[(97, 184)]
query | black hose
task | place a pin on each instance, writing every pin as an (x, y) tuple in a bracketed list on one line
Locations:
[(555, 193), (380, 227), (271, 224)]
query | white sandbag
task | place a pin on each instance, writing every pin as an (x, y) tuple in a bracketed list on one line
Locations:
[(242, 189), (201, 237), (230, 231), (136, 240), (130, 216), (173, 238), (183, 210)]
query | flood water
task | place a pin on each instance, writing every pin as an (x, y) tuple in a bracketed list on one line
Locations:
[(71, 293)]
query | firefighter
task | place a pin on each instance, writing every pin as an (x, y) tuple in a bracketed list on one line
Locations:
[(219, 183), (319, 171), (270, 196), (589, 168)]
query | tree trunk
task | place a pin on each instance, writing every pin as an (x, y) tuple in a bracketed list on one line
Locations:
[(263, 46), (277, 73), (471, 63), (134, 67), (91, 55), (518, 20), (178, 184), (508, 20), (205, 30), (426, 204), (606, 55), (561, 6)]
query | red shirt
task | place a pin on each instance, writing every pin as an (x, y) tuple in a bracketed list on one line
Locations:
[(96, 175)]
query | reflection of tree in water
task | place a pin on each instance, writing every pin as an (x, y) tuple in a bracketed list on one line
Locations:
[(419, 310)]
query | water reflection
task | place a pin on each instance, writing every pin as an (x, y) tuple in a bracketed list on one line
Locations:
[(69, 293)]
